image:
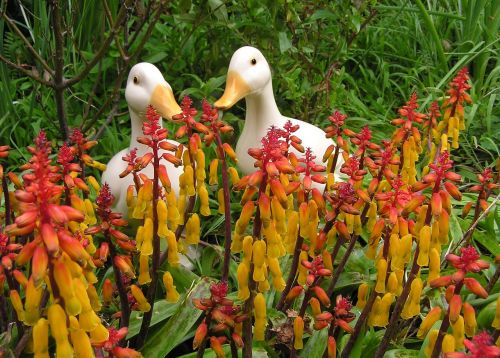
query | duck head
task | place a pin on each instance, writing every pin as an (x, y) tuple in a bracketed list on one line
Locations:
[(248, 73), (146, 86)]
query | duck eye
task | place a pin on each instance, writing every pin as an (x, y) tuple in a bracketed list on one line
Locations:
[(254, 61), (136, 80)]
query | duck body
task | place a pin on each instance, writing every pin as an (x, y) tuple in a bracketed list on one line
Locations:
[(249, 77), (145, 86)]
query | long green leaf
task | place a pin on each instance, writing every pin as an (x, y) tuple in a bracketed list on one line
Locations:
[(162, 341)]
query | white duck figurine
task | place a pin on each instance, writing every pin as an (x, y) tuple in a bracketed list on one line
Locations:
[(145, 86), (249, 77)]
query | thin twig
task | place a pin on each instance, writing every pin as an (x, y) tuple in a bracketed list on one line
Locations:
[(28, 73), (12, 25), (59, 68)]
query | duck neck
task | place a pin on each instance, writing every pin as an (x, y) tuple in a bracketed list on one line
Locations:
[(261, 109)]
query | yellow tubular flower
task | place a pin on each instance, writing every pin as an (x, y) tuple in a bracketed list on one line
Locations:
[(58, 329), (139, 237), (304, 219), (372, 216), (203, 194), (375, 312), (213, 178), (263, 286), (93, 183), (392, 283), (173, 211), (470, 324), (81, 344), (448, 344), (301, 279), (421, 218), (32, 303), (385, 305), (259, 305), (189, 180), (258, 258), (279, 216), (292, 231), (429, 320), (434, 265), (458, 329), (147, 237), (172, 253), (242, 276), (90, 218), (94, 298), (431, 343), (143, 304), (16, 302), (88, 319), (444, 227), (327, 260), (200, 167), (233, 174), (405, 247), (412, 304), (64, 282), (193, 230), (424, 245), (381, 274), (394, 249), (298, 332), (172, 294), (435, 244), (278, 281), (99, 335), (41, 339), (220, 199), (162, 211), (362, 295), (144, 276)]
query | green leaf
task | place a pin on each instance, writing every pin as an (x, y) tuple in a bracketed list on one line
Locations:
[(401, 353), (175, 330), (488, 241), (285, 43), (486, 316), (316, 344), (162, 311), (157, 57)]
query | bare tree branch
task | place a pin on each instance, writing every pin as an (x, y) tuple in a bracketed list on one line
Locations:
[(28, 73), (12, 25), (59, 68)]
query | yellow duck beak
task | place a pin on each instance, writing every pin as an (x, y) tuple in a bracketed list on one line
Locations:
[(164, 102), (236, 89)]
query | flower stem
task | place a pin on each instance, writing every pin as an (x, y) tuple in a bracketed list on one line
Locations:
[(227, 211), (247, 324), (122, 293), (146, 320), (444, 325)]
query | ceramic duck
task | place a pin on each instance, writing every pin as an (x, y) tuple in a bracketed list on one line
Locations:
[(145, 86), (249, 77)]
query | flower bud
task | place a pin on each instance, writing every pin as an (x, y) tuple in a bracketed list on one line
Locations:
[(321, 295), (331, 347), (362, 295), (424, 245), (242, 276), (143, 304), (200, 334), (172, 294), (475, 287)]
